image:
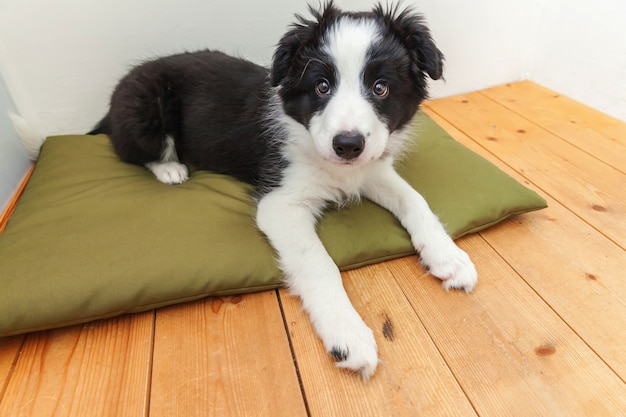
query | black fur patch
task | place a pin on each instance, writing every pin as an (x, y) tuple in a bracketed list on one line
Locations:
[(339, 354)]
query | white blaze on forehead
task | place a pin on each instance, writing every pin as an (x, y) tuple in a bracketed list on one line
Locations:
[(347, 43)]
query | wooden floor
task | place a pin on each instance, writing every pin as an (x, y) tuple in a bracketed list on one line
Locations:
[(543, 334)]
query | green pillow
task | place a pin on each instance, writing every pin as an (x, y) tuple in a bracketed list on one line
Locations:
[(93, 237)]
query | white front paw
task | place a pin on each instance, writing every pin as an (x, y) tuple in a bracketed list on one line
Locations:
[(449, 263), (169, 172), (348, 339)]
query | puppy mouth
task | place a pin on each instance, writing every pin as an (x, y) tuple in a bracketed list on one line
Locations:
[(333, 159), (348, 162), (337, 160)]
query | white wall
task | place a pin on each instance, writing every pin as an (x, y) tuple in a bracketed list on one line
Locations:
[(580, 51), (61, 58), (13, 159), (485, 42)]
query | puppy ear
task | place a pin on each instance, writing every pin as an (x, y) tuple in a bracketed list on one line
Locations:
[(410, 28), (287, 49), (303, 34)]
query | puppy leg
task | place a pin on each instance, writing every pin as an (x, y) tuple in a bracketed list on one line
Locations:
[(310, 273), (437, 250), (168, 170), (142, 120)]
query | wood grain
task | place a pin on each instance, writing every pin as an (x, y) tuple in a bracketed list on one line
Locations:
[(225, 356), (412, 378), (510, 352), (588, 187), (10, 348), (581, 277), (100, 369), (592, 131)]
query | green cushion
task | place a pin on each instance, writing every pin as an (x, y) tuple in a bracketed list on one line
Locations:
[(93, 237)]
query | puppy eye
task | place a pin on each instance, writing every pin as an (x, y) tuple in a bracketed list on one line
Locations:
[(322, 88), (380, 89)]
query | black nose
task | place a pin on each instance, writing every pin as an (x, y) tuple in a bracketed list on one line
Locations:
[(348, 145)]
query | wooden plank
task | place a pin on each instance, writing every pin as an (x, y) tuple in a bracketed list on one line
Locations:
[(412, 379), (510, 352), (594, 132), (100, 369), (10, 348), (226, 356), (575, 269), (585, 185)]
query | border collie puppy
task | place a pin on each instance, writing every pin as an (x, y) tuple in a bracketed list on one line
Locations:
[(324, 124)]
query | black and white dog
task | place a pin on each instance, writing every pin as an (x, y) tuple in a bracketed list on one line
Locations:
[(324, 124)]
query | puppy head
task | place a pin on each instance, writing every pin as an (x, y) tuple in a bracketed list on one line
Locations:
[(354, 79)]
